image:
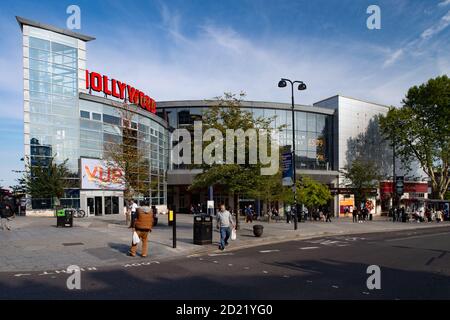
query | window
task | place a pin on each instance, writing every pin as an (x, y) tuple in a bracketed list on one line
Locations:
[(96, 116), (111, 119), (84, 114)]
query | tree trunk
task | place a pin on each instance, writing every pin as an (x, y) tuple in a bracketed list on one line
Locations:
[(236, 209)]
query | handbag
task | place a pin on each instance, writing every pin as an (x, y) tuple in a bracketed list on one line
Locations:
[(136, 239), (233, 234)]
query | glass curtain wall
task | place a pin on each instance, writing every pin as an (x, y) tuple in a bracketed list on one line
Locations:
[(53, 108)]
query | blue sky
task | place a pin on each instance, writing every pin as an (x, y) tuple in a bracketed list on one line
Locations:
[(193, 49)]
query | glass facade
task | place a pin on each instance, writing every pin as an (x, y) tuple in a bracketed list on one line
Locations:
[(313, 132), (102, 124), (63, 126), (53, 88)]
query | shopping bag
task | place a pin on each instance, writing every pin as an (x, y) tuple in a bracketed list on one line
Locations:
[(136, 239), (233, 234)]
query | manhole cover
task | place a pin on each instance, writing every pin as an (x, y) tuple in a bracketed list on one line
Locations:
[(67, 244)]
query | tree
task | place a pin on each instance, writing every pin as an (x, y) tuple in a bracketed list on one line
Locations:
[(421, 130), (126, 155), (311, 193), (238, 179), (361, 175), (46, 179)]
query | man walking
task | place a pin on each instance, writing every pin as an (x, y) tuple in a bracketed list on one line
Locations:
[(6, 212), (143, 224), (355, 215), (249, 214), (133, 208), (224, 224)]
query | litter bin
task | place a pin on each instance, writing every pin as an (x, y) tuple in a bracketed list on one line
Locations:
[(64, 218), (202, 229)]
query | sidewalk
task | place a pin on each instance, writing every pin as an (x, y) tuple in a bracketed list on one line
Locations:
[(35, 244)]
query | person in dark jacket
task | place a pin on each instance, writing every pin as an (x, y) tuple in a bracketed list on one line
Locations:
[(143, 224), (6, 212), (355, 215)]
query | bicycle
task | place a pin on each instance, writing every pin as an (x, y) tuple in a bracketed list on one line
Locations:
[(78, 213)]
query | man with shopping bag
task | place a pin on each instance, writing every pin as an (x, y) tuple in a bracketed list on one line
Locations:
[(143, 224), (225, 224)]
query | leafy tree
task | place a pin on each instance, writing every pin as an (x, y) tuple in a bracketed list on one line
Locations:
[(239, 179), (46, 180), (126, 155), (421, 130), (311, 193), (361, 175)]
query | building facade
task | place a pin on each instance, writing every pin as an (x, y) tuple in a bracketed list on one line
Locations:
[(73, 114), (64, 119), (314, 145)]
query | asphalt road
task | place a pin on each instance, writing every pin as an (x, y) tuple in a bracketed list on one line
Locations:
[(413, 264)]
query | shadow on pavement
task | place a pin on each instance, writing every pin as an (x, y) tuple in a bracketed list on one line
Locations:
[(308, 279)]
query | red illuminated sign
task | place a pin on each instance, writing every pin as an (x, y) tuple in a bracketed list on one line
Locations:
[(119, 90)]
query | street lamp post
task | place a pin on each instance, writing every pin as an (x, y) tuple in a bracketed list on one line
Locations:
[(301, 86)]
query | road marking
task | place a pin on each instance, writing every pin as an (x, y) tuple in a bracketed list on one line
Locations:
[(128, 265), (308, 248), (264, 271), (421, 236), (22, 274), (285, 276), (364, 292), (246, 268), (220, 254), (230, 264), (334, 286), (215, 261), (268, 251)]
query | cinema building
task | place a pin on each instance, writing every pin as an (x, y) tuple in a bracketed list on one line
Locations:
[(72, 112)]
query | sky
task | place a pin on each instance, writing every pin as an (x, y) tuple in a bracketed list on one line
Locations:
[(198, 49)]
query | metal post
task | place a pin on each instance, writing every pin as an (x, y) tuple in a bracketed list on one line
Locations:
[(293, 159), (394, 187), (174, 230)]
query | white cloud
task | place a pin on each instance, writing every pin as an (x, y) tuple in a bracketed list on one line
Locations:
[(444, 3), (443, 23)]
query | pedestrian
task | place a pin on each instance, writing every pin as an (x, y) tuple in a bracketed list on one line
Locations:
[(355, 215), (133, 208), (327, 215), (6, 212), (143, 224), (249, 214), (127, 213), (225, 224)]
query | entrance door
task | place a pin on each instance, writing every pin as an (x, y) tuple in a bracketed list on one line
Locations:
[(115, 205), (108, 205), (90, 205), (98, 206)]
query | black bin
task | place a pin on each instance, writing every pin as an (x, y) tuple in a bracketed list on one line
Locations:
[(203, 229), (64, 218)]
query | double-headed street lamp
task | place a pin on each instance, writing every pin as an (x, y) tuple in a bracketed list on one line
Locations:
[(301, 86)]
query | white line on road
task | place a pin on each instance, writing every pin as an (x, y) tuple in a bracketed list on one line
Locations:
[(22, 274), (220, 254), (264, 271), (308, 248), (268, 251)]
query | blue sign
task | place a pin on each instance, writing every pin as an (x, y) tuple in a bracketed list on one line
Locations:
[(287, 167)]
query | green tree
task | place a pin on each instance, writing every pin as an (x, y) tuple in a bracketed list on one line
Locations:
[(421, 130), (312, 193), (361, 175), (46, 180), (238, 179), (125, 154)]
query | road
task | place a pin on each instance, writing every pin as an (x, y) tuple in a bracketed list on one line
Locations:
[(414, 264)]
